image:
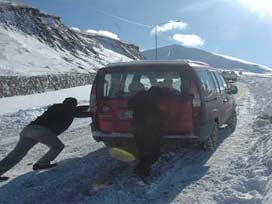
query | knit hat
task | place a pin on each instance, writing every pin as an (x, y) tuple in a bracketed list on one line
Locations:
[(70, 101)]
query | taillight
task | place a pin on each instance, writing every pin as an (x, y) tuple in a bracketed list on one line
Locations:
[(104, 111), (163, 108), (196, 101), (196, 105)]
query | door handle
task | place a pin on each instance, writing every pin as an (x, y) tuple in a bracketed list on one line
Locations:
[(212, 99)]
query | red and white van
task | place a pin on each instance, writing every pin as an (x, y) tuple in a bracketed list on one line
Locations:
[(196, 118)]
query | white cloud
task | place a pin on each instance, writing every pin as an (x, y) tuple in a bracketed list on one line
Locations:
[(262, 7), (171, 25), (75, 29), (189, 40), (103, 33), (108, 34), (91, 31)]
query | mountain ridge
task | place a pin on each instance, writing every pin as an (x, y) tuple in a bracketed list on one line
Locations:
[(175, 51)]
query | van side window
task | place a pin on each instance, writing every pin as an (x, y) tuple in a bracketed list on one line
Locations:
[(221, 82), (224, 81), (207, 82), (216, 82)]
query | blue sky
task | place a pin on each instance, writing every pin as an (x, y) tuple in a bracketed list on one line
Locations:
[(238, 28)]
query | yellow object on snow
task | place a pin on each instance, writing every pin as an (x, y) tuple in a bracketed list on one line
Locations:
[(121, 154)]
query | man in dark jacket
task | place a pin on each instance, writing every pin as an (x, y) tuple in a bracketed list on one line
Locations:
[(149, 122), (45, 129)]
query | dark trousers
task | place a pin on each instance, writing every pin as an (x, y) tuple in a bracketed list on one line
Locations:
[(29, 137), (147, 140)]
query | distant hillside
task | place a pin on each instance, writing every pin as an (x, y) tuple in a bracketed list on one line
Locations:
[(36, 43), (174, 52)]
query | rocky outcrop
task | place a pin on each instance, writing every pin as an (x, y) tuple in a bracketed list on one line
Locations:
[(49, 29), (39, 52)]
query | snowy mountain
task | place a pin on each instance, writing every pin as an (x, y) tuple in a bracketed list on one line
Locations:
[(174, 52), (37, 43)]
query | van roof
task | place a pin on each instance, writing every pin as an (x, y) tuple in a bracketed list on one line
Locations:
[(190, 63)]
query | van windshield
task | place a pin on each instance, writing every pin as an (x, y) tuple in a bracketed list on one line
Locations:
[(126, 84)]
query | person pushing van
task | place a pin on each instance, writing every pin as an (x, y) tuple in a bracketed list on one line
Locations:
[(45, 129), (149, 122)]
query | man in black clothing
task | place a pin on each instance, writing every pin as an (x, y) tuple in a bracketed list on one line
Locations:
[(45, 129), (149, 122)]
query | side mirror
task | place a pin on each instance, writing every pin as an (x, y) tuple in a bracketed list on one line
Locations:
[(232, 89)]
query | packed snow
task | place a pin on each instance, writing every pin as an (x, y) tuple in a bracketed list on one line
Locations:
[(20, 103), (239, 171)]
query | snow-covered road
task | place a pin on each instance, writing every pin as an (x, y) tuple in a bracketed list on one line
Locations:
[(237, 172)]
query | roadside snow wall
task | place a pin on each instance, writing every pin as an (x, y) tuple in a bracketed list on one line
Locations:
[(24, 85)]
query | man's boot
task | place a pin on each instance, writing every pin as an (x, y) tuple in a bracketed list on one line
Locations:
[(3, 178)]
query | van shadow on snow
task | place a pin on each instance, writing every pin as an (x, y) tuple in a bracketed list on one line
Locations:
[(97, 178)]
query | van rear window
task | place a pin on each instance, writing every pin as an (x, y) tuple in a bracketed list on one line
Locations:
[(126, 84)]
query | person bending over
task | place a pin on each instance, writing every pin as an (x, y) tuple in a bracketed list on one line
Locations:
[(149, 122), (45, 129)]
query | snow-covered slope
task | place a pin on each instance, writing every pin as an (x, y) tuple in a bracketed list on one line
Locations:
[(36, 43), (173, 52)]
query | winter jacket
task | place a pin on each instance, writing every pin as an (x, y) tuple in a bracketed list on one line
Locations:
[(59, 117), (149, 122), (146, 110)]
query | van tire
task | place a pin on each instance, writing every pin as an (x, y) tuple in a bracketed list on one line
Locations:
[(232, 122), (211, 141)]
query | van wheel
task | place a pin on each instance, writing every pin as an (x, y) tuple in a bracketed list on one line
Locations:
[(211, 142), (232, 122)]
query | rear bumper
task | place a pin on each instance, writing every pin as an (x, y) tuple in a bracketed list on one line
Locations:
[(128, 137)]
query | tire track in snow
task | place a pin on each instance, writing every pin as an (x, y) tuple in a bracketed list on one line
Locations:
[(216, 186)]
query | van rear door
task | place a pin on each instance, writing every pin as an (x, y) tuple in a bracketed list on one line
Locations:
[(118, 87), (180, 114)]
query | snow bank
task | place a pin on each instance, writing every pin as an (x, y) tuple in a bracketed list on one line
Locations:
[(260, 164), (17, 103)]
